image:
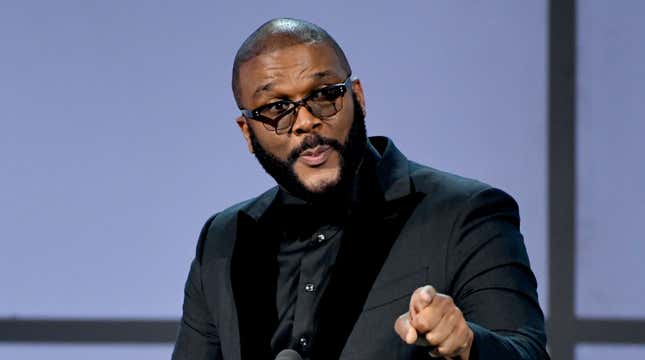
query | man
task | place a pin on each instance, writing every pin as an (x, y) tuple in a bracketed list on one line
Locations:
[(358, 253)]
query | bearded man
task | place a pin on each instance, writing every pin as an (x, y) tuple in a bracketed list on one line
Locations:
[(358, 252)]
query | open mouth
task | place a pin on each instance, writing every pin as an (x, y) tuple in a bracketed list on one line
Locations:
[(316, 156)]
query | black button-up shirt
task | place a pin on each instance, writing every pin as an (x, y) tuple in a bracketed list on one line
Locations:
[(309, 241), (306, 255)]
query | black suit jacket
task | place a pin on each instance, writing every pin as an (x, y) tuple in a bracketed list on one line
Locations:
[(428, 227)]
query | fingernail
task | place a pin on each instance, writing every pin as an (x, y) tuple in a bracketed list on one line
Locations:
[(433, 353), (426, 293)]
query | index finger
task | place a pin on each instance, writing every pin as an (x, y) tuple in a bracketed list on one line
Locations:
[(421, 298)]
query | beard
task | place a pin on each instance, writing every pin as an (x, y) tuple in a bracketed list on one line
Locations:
[(350, 153)]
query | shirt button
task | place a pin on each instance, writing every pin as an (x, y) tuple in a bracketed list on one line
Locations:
[(320, 237), (309, 287), (303, 342)]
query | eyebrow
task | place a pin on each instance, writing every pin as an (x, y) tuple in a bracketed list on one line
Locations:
[(271, 84)]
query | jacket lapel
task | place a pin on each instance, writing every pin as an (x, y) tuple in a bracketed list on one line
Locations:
[(376, 254), (253, 277), (238, 280), (369, 239)]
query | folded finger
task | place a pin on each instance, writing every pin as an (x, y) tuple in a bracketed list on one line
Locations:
[(456, 342), (427, 319), (440, 333)]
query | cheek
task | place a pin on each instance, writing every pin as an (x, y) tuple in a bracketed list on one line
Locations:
[(344, 120), (271, 143), (279, 150)]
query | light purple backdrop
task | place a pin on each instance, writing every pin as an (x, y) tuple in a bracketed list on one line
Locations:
[(117, 137), (611, 160)]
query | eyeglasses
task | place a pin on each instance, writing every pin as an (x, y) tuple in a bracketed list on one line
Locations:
[(322, 103)]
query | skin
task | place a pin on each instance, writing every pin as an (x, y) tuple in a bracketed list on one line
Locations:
[(434, 319), (293, 72)]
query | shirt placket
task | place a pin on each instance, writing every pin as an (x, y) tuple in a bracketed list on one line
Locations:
[(314, 270)]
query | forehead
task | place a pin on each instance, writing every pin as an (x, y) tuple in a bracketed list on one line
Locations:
[(296, 64)]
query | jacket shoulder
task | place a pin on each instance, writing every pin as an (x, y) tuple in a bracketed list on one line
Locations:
[(450, 186), (450, 192)]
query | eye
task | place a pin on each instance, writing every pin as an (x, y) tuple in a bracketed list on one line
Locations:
[(276, 108), (328, 93)]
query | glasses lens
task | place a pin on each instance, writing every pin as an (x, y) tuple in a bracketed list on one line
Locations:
[(327, 102), (280, 123), (277, 115), (276, 109), (285, 121)]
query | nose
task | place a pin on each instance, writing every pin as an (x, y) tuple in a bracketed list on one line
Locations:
[(305, 122)]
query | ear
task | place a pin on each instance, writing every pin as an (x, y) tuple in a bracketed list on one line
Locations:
[(357, 88), (244, 127)]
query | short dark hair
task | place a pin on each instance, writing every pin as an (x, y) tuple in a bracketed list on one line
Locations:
[(277, 34)]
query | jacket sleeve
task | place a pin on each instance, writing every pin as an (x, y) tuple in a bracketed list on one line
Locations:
[(491, 280), (197, 337)]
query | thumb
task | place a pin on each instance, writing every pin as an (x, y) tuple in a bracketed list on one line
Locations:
[(405, 330)]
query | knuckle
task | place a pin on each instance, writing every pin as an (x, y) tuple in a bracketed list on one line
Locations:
[(423, 323), (462, 331), (458, 311), (444, 298), (444, 350), (457, 315), (446, 304), (452, 320), (432, 340)]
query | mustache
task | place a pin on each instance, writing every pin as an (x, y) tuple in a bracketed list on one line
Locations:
[(311, 142)]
